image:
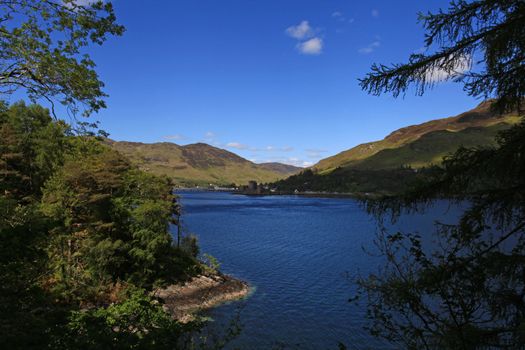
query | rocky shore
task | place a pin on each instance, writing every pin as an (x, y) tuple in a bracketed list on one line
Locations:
[(202, 292)]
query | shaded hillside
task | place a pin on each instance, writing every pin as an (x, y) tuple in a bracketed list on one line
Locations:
[(388, 165), (199, 163), (431, 148), (280, 168), (481, 116)]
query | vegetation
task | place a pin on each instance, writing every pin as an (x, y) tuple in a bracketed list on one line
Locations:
[(477, 43), (466, 290), (199, 164), (356, 181), (478, 118), (84, 233), (396, 162), (42, 50), (84, 238)]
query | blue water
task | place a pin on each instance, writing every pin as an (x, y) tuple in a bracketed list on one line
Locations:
[(300, 254)]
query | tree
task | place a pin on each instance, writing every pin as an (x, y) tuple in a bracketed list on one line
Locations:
[(81, 228), (479, 43), (467, 289), (41, 50)]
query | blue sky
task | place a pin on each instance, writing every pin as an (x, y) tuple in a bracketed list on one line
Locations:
[(272, 80)]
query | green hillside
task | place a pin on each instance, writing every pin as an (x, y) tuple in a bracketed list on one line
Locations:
[(389, 165), (481, 116), (199, 164), (431, 148)]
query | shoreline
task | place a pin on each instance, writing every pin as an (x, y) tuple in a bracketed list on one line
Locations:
[(203, 292), (356, 195)]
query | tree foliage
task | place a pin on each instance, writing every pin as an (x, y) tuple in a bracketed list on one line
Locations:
[(41, 49), (480, 44), (80, 229), (466, 289)]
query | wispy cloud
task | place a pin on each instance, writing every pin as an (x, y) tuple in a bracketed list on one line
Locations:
[(176, 137), (295, 161), (313, 46), (375, 13), (315, 153), (370, 47), (279, 149), (340, 17), (211, 138), (300, 31), (237, 145), (83, 3)]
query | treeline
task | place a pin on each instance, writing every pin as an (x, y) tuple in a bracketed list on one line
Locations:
[(349, 180), (84, 238)]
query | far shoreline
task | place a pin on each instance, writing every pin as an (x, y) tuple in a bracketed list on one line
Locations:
[(311, 194)]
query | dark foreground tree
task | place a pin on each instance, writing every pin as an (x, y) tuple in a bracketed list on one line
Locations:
[(478, 43), (41, 50), (84, 240), (466, 290)]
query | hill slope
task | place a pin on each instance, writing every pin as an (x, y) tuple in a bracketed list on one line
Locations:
[(386, 165), (479, 117), (280, 168), (199, 163)]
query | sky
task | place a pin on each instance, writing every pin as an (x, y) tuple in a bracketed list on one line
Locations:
[(271, 80)]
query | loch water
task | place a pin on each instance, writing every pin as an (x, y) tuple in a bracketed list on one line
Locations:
[(301, 255)]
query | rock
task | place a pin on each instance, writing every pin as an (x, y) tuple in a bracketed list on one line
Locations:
[(202, 292)]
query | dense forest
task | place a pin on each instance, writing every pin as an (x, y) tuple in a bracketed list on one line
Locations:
[(84, 240)]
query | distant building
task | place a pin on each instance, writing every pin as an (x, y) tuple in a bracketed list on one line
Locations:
[(252, 186)]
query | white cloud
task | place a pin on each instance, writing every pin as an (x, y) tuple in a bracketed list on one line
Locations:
[(290, 161), (370, 48), (84, 3), (375, 13), (440, 74), (278, 149), (209, 135), (309, 42), (313, 46), (300, 31), (174, 137), (237, 145)]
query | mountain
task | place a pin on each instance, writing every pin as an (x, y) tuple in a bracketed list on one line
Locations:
[(420, 145), (388, 165), (280, 168), (199, 164)]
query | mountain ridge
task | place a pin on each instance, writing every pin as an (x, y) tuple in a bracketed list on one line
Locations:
[(480, 116), (199, 164), (391, 164)]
